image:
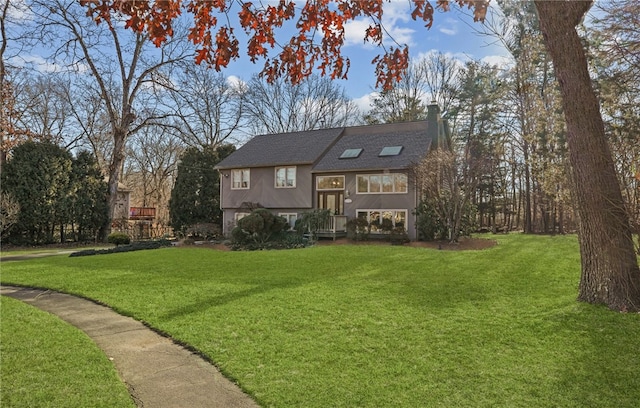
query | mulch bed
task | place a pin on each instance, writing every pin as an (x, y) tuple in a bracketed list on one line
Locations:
[(464, 244)]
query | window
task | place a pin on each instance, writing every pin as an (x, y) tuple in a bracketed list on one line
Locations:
[(350, 153), (240, 179), (238, 216), (290, 217), (286, 177), (392, 183), (376, 217), (330, 183), (390, 151)]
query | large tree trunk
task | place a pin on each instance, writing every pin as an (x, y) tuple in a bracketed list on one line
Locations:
[(610, 273), (119, 140)]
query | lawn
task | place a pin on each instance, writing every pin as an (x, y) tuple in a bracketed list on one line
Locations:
[(373, 326), (48, 363)]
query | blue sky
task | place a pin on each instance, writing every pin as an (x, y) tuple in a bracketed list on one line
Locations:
[(453, 33)]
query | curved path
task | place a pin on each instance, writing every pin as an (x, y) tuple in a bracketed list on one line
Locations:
[(158, 372)]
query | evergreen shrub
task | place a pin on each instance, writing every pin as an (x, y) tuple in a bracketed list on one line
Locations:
[(118, 238)]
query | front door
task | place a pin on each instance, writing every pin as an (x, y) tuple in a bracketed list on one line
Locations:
[(332, 201)]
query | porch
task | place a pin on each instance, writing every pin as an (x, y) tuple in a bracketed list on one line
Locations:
[(334, 227)]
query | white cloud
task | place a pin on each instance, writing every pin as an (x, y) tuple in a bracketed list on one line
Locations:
[(364, 102), (448, 31), (396, 16), (18, 11), (44, 66), (235, 82), (354, 32), (37, 62), (500, 61)]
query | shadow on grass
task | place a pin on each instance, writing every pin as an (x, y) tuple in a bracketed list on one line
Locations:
[(224, 299)]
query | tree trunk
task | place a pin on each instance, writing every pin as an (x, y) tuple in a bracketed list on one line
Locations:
[(610, 273), (119, 140), (528, 228)]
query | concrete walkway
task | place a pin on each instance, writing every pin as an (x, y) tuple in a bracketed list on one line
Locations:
[(158, 372)]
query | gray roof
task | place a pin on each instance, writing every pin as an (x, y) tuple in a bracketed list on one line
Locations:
[(323, 148), (412, 136), (281, 149)]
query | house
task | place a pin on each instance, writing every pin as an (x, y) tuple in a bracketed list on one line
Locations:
[(361, 171)]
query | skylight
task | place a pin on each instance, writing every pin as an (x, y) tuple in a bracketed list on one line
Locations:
[(350, 153), (390, 151)]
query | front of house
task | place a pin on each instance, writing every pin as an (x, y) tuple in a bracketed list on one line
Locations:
[(361, 171)]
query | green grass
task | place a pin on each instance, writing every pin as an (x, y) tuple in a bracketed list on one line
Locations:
[(49, 363), (373, 326)]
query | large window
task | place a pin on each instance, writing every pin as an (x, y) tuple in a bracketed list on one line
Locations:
[(240, 179), (290, 217), (330, 183), (286, 177), (391, 183), (375, 218)]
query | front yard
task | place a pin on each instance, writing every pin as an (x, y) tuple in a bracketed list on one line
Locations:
[(371, 325)]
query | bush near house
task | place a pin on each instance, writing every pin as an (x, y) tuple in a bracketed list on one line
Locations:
[(398, 235), (263, 230), (358, 229), (118, 238)]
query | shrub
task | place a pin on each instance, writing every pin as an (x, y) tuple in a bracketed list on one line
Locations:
[(358, 229), (263, 230), (399, 235), (118, 238), (260, 226), (387, 225), (136, 246), (431, 226)]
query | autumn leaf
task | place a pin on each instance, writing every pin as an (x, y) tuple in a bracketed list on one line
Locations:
[(316, 45)]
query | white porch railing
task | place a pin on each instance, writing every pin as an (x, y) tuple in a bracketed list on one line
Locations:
[(335, 223)]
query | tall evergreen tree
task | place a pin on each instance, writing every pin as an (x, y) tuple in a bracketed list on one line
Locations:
[(195, 198), (37, 175), (89, 207)]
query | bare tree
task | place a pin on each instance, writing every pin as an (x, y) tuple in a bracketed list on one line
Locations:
[(11, 132), (440, 177), (537, 128), (117, 65), (282, 107), (432, 78), (44, 107), (442, 78), (91, 123), (208, 105), (151, 167), (405, 102)]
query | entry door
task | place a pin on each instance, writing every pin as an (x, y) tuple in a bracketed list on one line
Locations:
[(331, 200)]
